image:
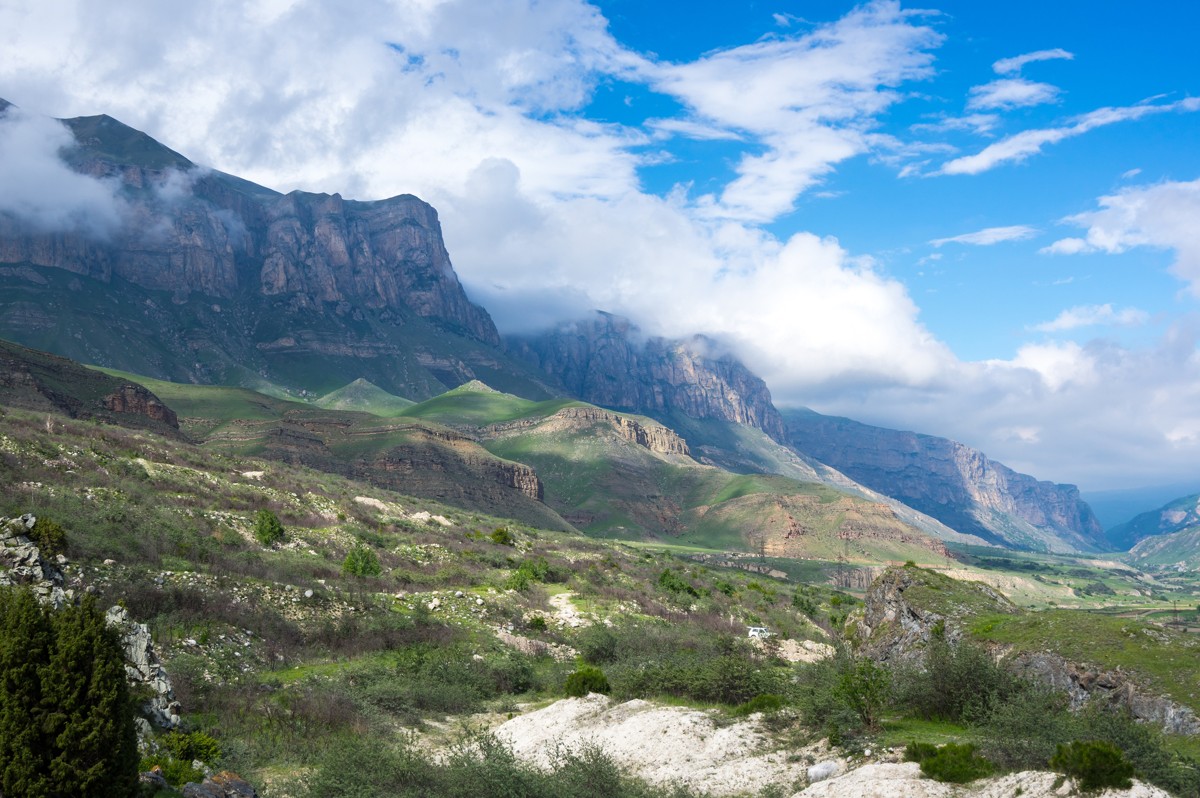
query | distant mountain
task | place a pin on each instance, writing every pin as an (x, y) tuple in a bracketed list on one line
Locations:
[(1174, 516), (213, 279), (954, 483), (366, 397), (606, 360), (1115, 507)]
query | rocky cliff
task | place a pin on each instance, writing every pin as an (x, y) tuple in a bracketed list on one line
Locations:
[(951, 482), (655, 437), (209, 278), (604, 360)]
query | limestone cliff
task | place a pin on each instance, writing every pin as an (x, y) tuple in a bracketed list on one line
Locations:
[(605, 361), (209, 278), (951, 482)]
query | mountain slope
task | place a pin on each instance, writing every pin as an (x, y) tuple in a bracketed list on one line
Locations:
[(210, 278), (1174, 516), (955, 484)]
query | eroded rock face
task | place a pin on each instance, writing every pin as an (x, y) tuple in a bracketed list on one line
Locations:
[(655, 437), (136, 400), (954, 483), (1083, 683), (604, 361), (22, 563), (143, 668)]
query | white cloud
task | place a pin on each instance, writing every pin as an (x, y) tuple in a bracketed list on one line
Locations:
[(1163, 216), (1010, 93), (981, 124), (1018, 147), (1009, 66), (1130, 174), (1092, 316), (39, 189), (989, 236), (809, 100)]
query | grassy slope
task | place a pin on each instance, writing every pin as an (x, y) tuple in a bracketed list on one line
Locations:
[(365, 397)]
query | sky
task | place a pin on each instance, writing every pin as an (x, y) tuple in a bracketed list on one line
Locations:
[(975, 220)]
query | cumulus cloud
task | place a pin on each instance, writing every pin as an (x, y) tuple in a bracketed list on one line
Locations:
[(1009, 66), (1010, 93), (1092, 316), (39, 189), (989, 236), (1162, 216), (809, 100), (1020, 146)]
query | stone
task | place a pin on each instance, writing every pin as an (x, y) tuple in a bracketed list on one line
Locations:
[(225, 784), (143, 667)]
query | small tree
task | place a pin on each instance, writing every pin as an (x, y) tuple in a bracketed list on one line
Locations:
[(267, 528), (587, 679), (865, 688), (361, 561)]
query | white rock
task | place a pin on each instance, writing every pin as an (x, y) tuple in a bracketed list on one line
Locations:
[(823, 770)]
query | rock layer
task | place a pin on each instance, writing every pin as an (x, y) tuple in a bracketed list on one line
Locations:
[(605, 361), (951, 482)]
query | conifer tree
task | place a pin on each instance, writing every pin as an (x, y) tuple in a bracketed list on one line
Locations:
[(88, 708), (25, 642), (66, 719)]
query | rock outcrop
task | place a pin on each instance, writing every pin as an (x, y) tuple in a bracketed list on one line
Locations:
[(22, 563), (143, 668), (221, 785), (605, 361), (1083, 683), (951, 482), (136, 400), (655, 437)]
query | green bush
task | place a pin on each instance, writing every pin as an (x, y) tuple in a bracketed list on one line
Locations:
[(586, 679), (763, 702), (191, 745), (673, 583), (865, 687), (51, 539), (267, 529), (361, 561), (176, 771), (1094, 764), (502, 537), (952, 762)]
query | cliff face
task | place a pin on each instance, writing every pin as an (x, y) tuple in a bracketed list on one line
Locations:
[(256, 279), (602, 361), (954, 483)]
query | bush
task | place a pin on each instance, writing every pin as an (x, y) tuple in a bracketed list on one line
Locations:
[(959, 682), (1023, 731), (51, 539), (954, 763), (177, 772), (192, 745), (267, 528), (865, 688), (502, 537), (361, 561), (586, 679), (763, 702), (672, 582), (1094, 764)]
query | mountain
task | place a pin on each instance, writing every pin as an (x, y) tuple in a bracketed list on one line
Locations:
[(1180, 515), (605, 360), (954, 483), (42, 382), (210, 278)]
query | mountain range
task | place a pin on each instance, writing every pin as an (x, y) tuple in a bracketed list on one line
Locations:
[(212, 280)]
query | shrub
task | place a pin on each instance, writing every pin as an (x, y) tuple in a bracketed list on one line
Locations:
[(1094, 764), (361, 561), (672, 582), (865, 687), (50, 538), (586, 679), (267, 528), (191, 745), (502, 537), (954, 763), (177, 772), (763, 702)]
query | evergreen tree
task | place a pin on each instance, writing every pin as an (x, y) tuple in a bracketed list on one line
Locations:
[(88, 709), (66, 719), (25, 643)]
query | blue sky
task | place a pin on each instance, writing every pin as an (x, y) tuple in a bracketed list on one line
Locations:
[(977, 220)]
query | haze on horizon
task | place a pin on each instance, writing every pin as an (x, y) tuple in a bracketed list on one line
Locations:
[(969, 221)]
